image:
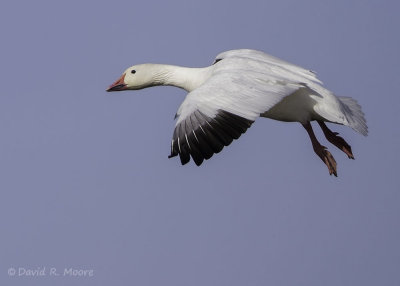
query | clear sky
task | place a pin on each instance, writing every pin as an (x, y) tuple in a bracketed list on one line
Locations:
[(84, 176)]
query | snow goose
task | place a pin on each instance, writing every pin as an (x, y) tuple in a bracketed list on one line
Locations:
[(225, 98)]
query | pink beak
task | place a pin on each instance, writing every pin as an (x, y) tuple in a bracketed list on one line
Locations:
[(118, 85)]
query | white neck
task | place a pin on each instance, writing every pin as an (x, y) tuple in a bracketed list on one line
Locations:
[(182, 77)]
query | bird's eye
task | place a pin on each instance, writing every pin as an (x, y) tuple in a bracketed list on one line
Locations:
[(133, 71)]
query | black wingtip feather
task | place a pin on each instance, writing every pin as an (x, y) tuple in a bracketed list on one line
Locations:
[(199, 136)]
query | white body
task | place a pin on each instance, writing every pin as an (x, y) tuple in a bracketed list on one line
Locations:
[(242, 85)]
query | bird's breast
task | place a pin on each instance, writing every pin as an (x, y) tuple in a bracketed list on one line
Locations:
[(297, 107)]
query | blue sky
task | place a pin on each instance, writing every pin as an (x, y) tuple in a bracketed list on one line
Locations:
[(85, 178)]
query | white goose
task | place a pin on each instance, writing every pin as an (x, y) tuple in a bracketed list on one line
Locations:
[(225, 98)]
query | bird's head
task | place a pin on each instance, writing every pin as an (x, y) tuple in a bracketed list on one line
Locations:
[(135, 77)]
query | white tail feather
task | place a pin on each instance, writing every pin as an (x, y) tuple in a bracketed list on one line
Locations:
[(354, 115)]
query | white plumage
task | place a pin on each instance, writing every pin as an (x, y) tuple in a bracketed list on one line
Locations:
[(242, 85)]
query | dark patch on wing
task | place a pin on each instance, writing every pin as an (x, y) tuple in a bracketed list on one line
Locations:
[(216, 61), (200, 136)]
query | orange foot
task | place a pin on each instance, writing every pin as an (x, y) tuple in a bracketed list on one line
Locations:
[(327, 158), (336, 140)]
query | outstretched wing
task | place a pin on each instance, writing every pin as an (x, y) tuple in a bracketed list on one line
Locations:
[(242, 85)]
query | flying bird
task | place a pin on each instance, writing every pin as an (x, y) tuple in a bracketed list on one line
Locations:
[(224, 99)]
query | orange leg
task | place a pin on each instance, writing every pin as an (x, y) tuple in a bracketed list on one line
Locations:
[(321, 151), (336, 140)]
